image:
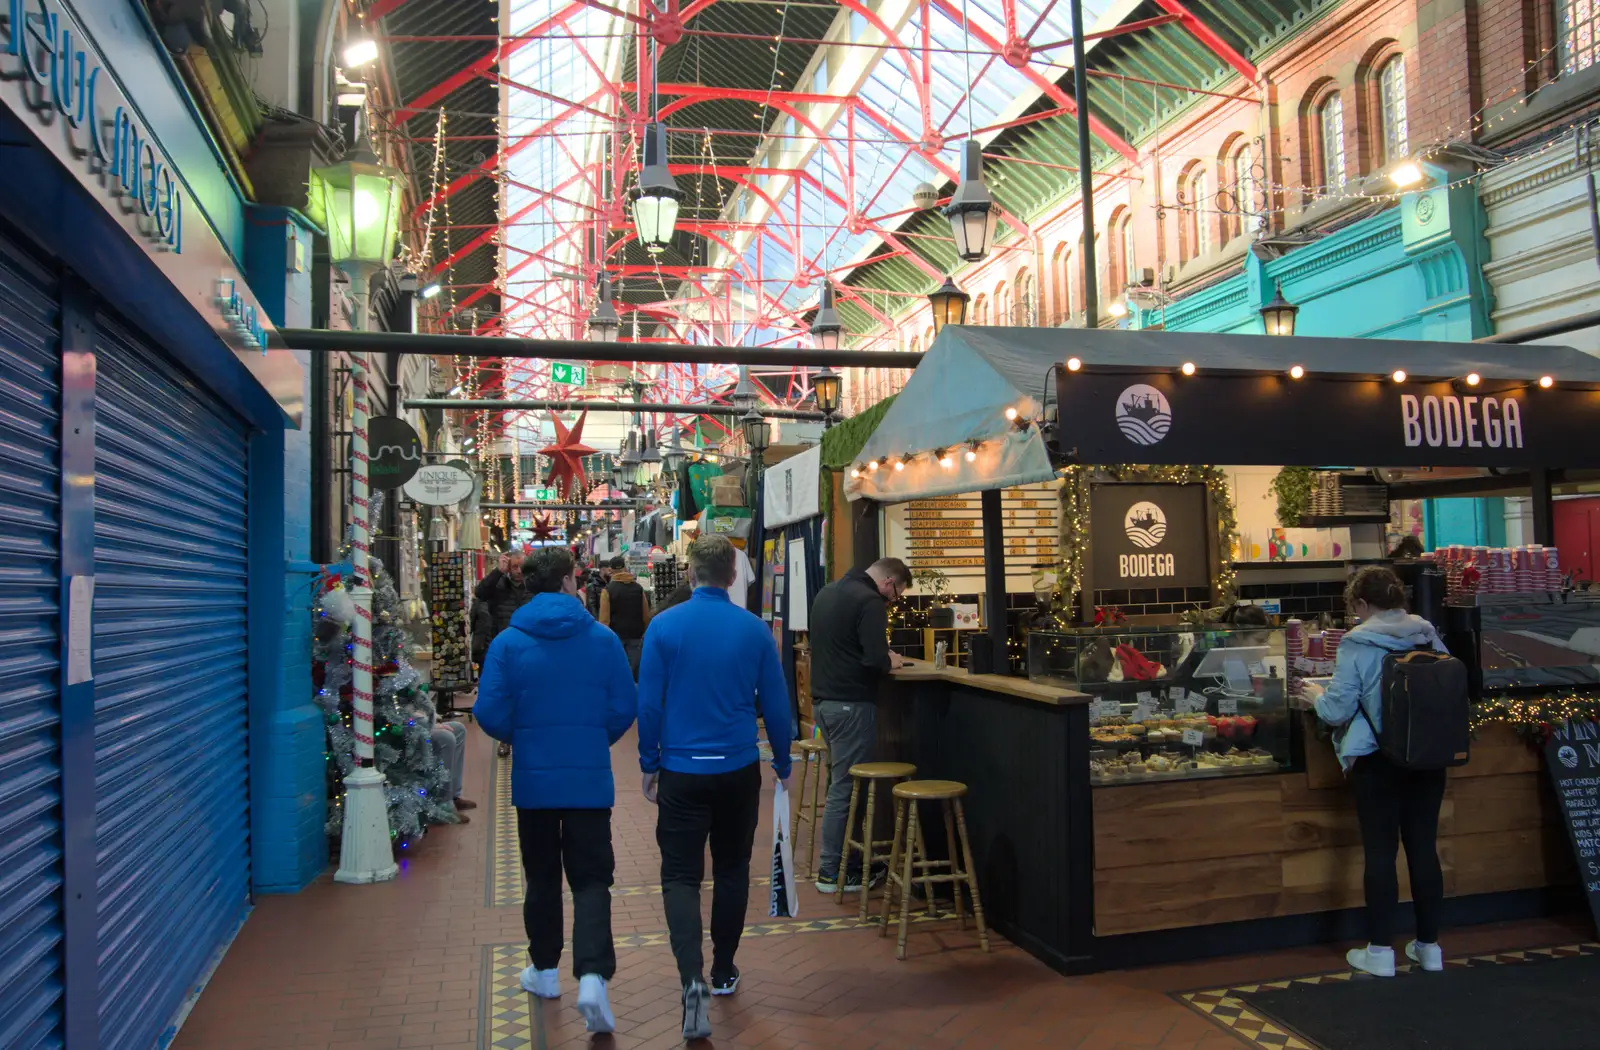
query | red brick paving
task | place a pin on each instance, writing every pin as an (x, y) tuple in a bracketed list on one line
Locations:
[(400, 965)]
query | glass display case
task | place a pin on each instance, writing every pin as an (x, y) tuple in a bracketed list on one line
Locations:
[(1174, 702)]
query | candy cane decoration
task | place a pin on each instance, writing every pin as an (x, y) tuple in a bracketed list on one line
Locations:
[(361, 679)]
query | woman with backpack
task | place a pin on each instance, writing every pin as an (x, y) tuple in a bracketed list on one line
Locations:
[(1393, 803)]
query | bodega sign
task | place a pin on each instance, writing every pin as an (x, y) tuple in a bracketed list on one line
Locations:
[(1273, 420), (64, 81), (1148, 536)]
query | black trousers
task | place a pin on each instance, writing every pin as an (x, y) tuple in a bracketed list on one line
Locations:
[(694, 808), (1400, 805), (578, 840)]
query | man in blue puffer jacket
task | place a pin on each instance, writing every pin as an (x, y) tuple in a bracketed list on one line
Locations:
[(557, 686)]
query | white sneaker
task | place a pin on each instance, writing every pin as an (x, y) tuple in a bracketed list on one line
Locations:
[(1379, 962), (1428, 956), (546, 984), (593, 1005)]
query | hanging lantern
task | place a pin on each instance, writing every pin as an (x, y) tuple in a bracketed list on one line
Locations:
[(358, 200), (604, 323), (655, 208), (757, 432), (826, 328), (949, 305), (972, 211), (1279, 315), (649, 461), (826, 383)]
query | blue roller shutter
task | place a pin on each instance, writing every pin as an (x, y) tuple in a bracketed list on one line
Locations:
[(172, 816), (30, 656)]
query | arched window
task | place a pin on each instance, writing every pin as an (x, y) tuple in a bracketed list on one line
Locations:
[(1392, 108), (1244, 189), (928, 337), (1130, 259), (1079, 291), (1026, 311), (1330, 136), (1002, 304), (1061, 284), (980, 309), (1117, 254), (1577, 34), (1194, 227)]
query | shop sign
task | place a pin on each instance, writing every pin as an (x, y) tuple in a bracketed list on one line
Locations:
[(1272, 420), (62, 78), (440, 486), (1148, 536), (394, 452)]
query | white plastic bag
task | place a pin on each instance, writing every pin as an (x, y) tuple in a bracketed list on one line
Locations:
[(784, 902)]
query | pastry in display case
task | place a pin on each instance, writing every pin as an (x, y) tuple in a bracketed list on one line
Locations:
[(1174, 702)]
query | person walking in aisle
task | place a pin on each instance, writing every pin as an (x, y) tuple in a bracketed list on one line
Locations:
[(625, 608), (849, 653), (557, 685), (708, 668), (1393, 805), (503, 592)]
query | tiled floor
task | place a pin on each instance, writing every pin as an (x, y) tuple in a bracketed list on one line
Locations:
[(429, 961)]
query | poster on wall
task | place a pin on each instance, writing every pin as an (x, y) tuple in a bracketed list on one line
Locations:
[(1149, 535), (945, 534), (799, 599)]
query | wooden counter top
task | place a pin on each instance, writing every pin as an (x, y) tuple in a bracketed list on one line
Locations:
[(922, 671)]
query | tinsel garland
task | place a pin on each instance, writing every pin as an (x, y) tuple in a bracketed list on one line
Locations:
[(1533, 717), (1075, 522)]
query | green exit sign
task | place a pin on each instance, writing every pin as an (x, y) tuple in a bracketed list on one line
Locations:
[(544, 495), (568, 374)]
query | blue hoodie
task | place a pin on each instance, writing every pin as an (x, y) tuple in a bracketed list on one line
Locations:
[(1358, 673), (557, 687), (704, 662)]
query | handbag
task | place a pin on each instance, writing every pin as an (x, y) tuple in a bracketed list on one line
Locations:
[(784, 901)]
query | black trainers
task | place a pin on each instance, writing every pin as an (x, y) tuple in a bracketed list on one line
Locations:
[(725, 983), (828, 882), (696, 1018)]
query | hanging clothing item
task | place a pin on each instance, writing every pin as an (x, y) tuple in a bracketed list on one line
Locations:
[(700, 475), (684, 494)]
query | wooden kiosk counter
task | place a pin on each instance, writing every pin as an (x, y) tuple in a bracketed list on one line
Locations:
[(1089, 877)]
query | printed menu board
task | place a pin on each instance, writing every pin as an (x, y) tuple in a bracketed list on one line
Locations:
[(1572, 754), (946, 534)]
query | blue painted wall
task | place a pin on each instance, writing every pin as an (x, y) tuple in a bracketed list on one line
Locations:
[(1411, 272), (288, 843), (1474, 522)]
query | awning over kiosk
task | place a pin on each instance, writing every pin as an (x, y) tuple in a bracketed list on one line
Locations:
[(1197, 398)]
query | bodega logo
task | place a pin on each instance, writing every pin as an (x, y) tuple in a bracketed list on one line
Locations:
[(1448, 421), (1145, 525), (1143, 414)]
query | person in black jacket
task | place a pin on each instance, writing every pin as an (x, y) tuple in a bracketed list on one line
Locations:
[(849, 654), (504, 593), (625, 608)]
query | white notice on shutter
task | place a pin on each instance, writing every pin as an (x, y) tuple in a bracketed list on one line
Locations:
[(80, 630)]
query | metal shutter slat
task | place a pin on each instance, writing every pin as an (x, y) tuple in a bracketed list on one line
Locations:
[(170, 646), (30, 656)]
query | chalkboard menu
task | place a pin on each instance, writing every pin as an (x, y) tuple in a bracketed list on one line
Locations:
[(1572, 755)]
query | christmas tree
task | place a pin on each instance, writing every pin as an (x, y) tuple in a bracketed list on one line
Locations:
[(418, 788)]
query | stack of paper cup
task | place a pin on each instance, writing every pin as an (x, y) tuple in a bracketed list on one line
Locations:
[(1521, 569), (1552, 560), (1294, 647), (1330, 642)]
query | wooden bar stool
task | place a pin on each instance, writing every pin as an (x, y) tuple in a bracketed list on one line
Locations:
[(809, 807), (871, 773), (905, 868)]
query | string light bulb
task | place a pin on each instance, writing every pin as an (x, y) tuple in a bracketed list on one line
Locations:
[(1473, 379), (972, 452), (1296, 372), (1074, 364), (945, 459), (1188, 368), (1546, 382), (1011, 414), (1399, 375), (872, 464), (855, 472), (899, 465)]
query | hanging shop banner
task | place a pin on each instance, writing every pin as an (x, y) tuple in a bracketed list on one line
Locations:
[(440, 486), (1274, 420), (1149, 536), (396, 451), (791, 489)]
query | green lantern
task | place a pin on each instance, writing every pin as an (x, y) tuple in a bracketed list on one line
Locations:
[(358, 200)]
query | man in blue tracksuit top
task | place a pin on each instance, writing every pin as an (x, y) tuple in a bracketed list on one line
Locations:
[(705, 662), (557, 685)]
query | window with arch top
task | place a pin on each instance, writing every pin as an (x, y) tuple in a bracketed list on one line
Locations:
[(1392, 108), (1330, 135)]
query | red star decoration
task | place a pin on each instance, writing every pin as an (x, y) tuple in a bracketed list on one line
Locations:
[(566, 458), (544, 529)]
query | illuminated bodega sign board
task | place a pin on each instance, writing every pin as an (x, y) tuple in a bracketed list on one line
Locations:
[(946, 534), (64, 81)]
